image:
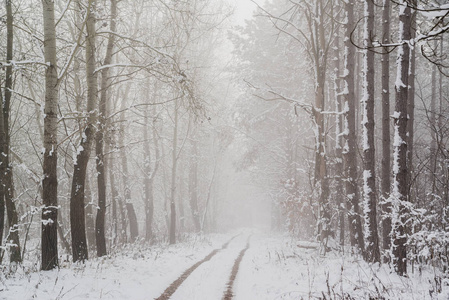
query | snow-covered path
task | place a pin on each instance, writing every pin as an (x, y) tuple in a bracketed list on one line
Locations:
[(210, 280)]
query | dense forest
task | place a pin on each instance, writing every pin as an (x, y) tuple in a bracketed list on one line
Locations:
[(139, 123)]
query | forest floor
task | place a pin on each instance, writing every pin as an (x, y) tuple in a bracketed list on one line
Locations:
[(241, 265)]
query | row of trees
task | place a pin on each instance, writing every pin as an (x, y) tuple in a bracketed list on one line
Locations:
[(375, 175), (116, 92)]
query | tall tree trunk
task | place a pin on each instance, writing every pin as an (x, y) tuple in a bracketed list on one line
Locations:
[(321, 177), (433, 130), (149, 175), (386, 156), (13, 235), (77, 220), (118, 228), (172, 233), (149, 205), (49, 242), (350, 148), (2, 171), (369, 173), (132, 217), (193, 184), (99, 140), (400, 170), (338, 144), (411, 103)]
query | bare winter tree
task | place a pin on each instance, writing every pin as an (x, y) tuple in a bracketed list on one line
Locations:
[(400, 170), (386, 146), (7, 195), (77, 216), (99, 138), (369, 172), (350, 150), (50, 181)]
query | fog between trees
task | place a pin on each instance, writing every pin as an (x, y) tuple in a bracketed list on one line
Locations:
[(149, 121)]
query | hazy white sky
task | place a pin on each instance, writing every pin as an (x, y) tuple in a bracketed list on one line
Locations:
[(244, 9)]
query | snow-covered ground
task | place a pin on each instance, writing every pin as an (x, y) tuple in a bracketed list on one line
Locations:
[(274, 267), (133, 274)]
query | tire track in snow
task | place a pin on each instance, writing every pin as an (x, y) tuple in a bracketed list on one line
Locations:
[(235, 268), (174, 286)]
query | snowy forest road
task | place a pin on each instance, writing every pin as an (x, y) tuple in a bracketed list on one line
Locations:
[(213, 276)]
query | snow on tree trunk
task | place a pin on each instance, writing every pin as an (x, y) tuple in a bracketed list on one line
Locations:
[(50, 182), (411, 103), (77, 217), (349, 149), (369, 172), (386, 156), (400, 185)]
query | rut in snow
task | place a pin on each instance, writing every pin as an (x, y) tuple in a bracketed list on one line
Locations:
[(174, 286), (228, 294)]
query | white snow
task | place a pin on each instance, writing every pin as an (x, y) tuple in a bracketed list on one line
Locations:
[(274, 267)]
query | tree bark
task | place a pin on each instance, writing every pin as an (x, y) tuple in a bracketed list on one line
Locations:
[(350, 148), (338, 144), (132, 217), (320, 60), (118, 228), (193, 185), (400, 170), (99, 139), (369, 173), (89, 215), (411, 104), (49, 236), (172, 233), (77, 220), (386, 156), (148, 184), (433, 129)]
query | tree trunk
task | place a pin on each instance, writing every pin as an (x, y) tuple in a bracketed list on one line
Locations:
[(132, 217), (148, 184), (49, 242), (119, 228), (338, 144), (149, 175), (400, 170), (350, 148), (369, 173), (77, 220), (172, 233), (411, 104), (433, 131), (193, 185), (320, 58), (89, 215), (99, 140), (386, 156)]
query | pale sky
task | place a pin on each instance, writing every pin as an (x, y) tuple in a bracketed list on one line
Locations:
[(244, 9)]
